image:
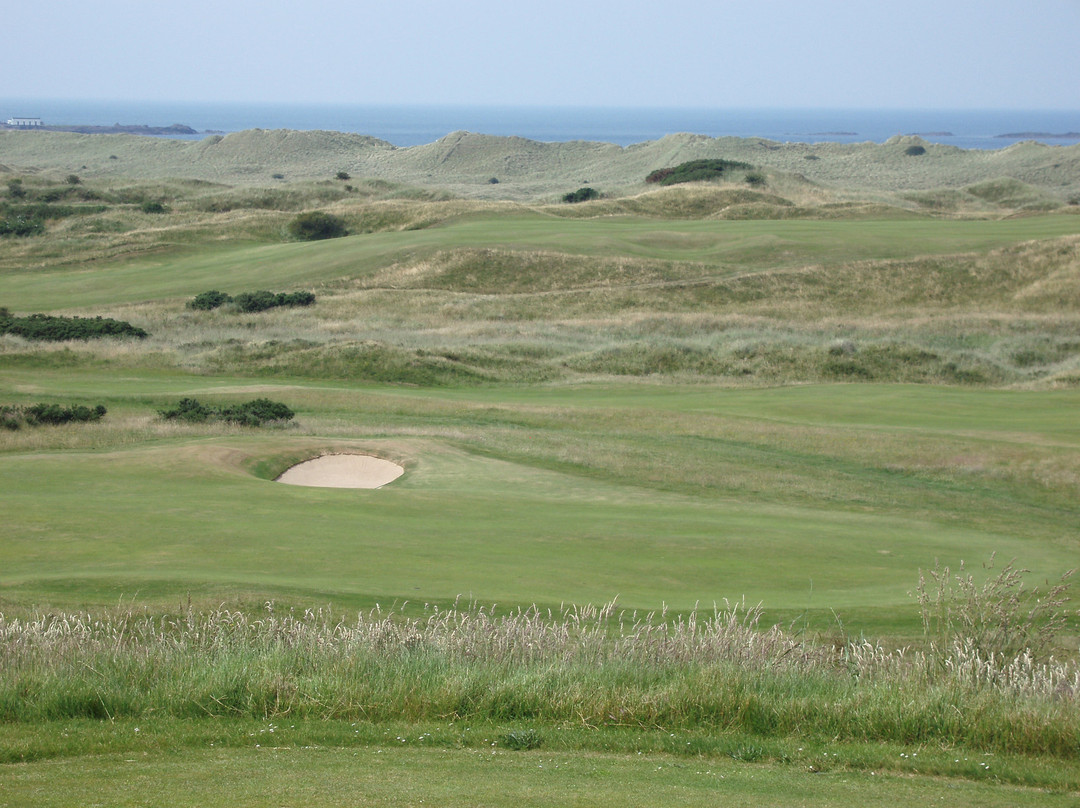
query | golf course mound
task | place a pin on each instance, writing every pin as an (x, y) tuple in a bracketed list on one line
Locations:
[(342, 471)]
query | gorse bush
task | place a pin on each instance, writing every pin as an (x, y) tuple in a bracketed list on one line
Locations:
[(581, 195), (250, 301), (46, 327), (251, 413), (47, 210), (13, 418), (695, 171), (263, 300), (317, 225), (206, 301), (755, 179), (21, 225), (255, 301)]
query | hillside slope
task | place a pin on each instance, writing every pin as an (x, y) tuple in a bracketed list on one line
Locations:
[(465, 163)]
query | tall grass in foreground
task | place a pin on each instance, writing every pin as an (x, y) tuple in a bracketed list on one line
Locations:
[(583, 666)]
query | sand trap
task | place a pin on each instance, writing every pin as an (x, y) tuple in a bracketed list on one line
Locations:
[(343, 471)]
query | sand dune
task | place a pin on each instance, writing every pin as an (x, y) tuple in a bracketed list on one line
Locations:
[(465, 162)]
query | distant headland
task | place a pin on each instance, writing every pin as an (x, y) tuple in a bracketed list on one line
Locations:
[(115, 129), (1041, 135)]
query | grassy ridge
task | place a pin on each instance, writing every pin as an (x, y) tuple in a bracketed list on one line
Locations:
[(519, 296), (465, 162)]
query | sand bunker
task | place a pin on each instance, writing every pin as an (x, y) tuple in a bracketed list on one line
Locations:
[(343, 471)]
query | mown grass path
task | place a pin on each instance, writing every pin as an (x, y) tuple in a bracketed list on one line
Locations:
[(318, 777)]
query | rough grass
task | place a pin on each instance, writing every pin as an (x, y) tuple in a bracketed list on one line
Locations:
[(722, 672), (484, 315)]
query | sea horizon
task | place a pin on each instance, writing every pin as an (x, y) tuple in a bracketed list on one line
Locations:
[(406, 125)]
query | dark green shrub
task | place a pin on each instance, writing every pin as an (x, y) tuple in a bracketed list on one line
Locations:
[(54, 414), (45, 327), (251, 413), (295, 298), (49, 414), (277, 176), (755, 179), (317, 225), (153, 207), (21, 225), (73, 179), (343, 175), (256, 412), (15, 188), (695, 171), (188, 409), (255, 301), (250, 302), (914, 151), (206, 301), (53, 194), (10, 418), (581, 195)]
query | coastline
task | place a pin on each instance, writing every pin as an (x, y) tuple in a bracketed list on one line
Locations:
[(405, 125)]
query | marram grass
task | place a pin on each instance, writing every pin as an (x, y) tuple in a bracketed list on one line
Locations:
[(584, 666)]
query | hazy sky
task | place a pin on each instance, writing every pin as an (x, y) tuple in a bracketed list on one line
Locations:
[(769, 53)]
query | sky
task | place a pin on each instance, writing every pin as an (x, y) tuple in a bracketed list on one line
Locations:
[(915, 54)]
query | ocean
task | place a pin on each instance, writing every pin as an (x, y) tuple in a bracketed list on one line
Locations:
[(413, 125)]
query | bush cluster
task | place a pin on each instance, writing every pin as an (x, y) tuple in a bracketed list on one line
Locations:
[(263, 300), (13, 418), (581, 195), (695, 170), (756, 179), (21, 224), (206, 301), (250, 301), (317, 225), (48, 328), (250, 413), (29, 218)]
